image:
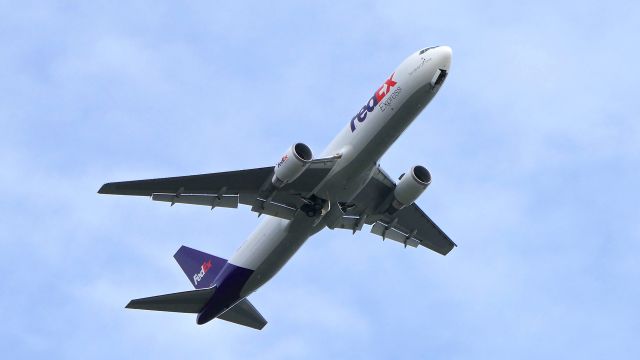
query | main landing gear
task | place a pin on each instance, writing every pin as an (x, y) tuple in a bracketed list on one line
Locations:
[(313, 206)]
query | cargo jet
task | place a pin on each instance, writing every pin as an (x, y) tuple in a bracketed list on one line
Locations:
[(345, 188)]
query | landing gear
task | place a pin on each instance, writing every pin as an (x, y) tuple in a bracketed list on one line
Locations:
[(313, 206), (344, 207)]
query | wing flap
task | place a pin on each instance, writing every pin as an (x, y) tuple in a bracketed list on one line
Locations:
[(262, 206), (412, 218), (387, 232), (353, 223), (226, 201)]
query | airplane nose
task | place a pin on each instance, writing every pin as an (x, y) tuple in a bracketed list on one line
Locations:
[(441, 61), (443, 57)]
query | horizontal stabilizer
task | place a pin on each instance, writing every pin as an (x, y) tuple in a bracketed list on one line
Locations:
[(244, 313), (183, 302)]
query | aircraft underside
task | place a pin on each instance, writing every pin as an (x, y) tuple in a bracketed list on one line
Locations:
[(343, 189)]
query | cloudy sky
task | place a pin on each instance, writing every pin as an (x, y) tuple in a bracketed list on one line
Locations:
[(533, 143)]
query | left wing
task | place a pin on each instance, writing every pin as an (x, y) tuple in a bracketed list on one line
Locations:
[(228, 189), (241, 181)]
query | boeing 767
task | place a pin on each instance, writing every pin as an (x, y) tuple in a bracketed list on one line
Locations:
[(344, 188)]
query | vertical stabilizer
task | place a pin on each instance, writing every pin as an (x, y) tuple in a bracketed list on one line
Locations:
[(201, 268)]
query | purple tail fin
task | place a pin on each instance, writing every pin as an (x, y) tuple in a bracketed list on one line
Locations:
[(201, 268)]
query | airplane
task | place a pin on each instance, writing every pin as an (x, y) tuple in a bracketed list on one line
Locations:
[(345, 188)]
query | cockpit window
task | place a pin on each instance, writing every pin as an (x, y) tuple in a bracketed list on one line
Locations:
[(427, 49)]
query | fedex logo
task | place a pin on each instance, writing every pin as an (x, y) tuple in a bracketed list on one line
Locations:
[(284, 158), (203, 270), (377, 97)]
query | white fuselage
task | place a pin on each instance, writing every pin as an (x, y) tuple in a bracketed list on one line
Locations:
[(361, 144)]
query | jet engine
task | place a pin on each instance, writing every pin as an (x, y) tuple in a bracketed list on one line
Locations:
[(411, 185), (292, 164)]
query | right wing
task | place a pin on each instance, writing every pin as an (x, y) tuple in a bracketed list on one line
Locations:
[(413, 227), (409, 225), (228, 189)]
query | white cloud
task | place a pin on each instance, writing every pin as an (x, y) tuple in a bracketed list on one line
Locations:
[(532, 144)]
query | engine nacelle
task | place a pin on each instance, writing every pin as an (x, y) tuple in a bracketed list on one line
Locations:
[(292, 164), (411, 185)]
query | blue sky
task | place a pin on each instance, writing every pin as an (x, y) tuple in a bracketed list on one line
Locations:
[(533, 144)]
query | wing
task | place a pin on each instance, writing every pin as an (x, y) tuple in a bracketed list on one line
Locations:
[(410, 225), (228, 189), (413, 227), (231, 181)]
